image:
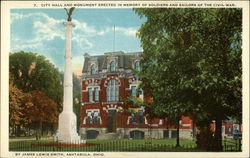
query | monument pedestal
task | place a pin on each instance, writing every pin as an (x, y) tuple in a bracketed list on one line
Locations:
[(67, 129)]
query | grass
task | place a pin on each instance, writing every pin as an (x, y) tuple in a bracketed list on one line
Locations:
[(231, 144), (126, 145), (104, 145)]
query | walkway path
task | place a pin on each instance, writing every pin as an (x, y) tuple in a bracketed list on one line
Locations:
[(28, 138)]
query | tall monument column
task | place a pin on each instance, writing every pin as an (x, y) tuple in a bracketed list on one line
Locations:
[(67, 131)]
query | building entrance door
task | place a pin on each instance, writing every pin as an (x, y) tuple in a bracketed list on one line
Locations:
[(112, 121)]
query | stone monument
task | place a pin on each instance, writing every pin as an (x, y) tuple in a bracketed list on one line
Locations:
[(67, 131)]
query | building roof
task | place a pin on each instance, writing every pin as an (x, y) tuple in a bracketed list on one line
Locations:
[(124, 60)]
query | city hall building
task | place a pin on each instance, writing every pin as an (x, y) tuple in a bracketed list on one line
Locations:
[(106, 81)]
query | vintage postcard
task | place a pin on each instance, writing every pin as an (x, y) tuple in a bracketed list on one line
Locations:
[(124, 79)]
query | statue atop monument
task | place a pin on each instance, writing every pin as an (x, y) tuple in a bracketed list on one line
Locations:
[(69, 13)]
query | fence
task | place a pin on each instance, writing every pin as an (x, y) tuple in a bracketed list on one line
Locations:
[(114, 146), (109, 146), (232, 145)]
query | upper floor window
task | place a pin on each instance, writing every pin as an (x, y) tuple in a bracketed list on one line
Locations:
[(92, 69), (112, 66), (90, 95), (140, 91), (93, 95), (137, 78), (137, 65), (113, 91), (96, 94), (133, 91)]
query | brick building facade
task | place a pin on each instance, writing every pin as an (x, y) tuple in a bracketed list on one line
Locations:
[(230, 128), (106, 80)]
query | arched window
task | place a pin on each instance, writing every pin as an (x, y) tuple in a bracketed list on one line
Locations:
[(137, 65), (112, 66), (92, 69), (113, 91)]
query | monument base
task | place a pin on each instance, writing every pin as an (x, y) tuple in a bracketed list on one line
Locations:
[(67, 129)]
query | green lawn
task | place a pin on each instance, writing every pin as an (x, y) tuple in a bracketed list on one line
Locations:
[(105, 145), (232, 144), (137, 145)]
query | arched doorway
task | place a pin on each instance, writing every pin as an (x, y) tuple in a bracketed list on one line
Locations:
[(112, 121)]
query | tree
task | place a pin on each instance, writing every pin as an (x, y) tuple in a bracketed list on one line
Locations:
[(16, 108), (77, 99), (34, 72), (163, 63), (221, 70), (192, 62), (31, 74), (40, 108)]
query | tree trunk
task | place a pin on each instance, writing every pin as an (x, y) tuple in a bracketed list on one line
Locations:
[(193, 127), (178, 134), (218, 134), (13, 130), (39, 130), (18, 131)]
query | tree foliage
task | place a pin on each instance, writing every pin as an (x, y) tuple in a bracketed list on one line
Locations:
[(35, 90), (34, 72), (192, 60), (39, 107), (16, 107), (77, 98)]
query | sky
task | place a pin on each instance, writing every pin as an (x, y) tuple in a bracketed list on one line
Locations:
[(41, 31)]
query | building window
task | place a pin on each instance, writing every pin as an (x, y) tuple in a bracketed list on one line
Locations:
[(112, 66), (133, 116), (92, 69), (138, 68), (137, 134), (140, 120), (90, 95), (96, 94), (89, 118), (133, 91), (137, 78), (93, 117), (137, 65), (137, 118), (96, 119), (140, 91), (229, 129), (113, 91)]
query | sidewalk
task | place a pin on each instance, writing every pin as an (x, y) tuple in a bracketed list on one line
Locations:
[(29, 138)]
